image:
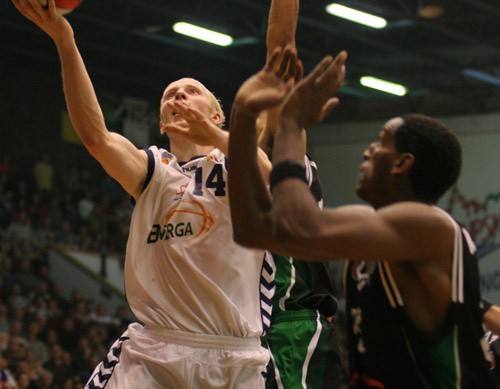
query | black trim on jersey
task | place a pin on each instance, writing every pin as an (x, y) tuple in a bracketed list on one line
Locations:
[(151, 168), (149, 174), (314, 182), (191, 159)]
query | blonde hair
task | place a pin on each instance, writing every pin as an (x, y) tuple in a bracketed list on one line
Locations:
[(215, 103)]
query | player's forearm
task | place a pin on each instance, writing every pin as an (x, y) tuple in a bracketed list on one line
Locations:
[(81, 100), (288, 145), (282, 24), (249, 199)]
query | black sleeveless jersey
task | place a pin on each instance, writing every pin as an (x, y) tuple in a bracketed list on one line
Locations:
[(385, 350)]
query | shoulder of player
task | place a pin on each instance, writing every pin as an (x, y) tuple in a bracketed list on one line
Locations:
[(415, 215)]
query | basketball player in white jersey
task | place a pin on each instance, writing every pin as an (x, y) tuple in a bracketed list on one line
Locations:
[(195, 291)]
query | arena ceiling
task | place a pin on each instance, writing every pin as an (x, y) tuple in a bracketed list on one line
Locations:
[(450, 64)]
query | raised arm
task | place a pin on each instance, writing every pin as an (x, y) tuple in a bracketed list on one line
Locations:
[(281, 28), (281, 25), (117, 155), (248, 195), (348, 232)]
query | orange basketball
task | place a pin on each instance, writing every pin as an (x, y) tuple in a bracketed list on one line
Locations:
[(64, 6)]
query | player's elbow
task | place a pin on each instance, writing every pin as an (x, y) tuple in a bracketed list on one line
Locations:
[(96, 144), (288, 231)]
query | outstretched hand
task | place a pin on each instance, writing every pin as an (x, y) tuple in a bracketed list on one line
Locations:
[(269, 87), (311, 100), (46, 18), (198, 128)]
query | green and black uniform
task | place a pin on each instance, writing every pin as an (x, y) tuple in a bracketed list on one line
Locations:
[(387, 351), (303, 343)]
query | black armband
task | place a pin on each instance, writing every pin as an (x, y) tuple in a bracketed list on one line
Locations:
[(285, 170)]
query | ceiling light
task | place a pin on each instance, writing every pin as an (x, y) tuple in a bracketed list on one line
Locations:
[(384, 86), (203, 34), (356, 16)]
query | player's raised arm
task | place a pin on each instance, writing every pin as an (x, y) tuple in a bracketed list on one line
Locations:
[(248, 194), (118, 156), (281, 28), (352, 232)]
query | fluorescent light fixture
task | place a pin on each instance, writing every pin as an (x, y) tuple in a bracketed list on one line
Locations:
[(356, 16), (203, 34), (384, 86), (482, 76)]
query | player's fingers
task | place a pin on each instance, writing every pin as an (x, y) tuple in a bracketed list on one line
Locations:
[(334, 74), (20, 5), (24, 6), (289, 63), (273, 60), (178, 106), (174, 129), (300, 71), (37, 7), (328, 107), (187, 112), (319, 69), (52, 7)]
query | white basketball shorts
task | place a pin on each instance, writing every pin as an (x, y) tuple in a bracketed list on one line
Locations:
[(151, 358)]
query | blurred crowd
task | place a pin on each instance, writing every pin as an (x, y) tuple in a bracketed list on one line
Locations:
[(48, 340)]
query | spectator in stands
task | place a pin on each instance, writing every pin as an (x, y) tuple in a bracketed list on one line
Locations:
[(38, 308), (37, 347), (71, 181), (15, 297), (45, 231), (82, 358), (22, 194), (68, 336), (70, 209), (101, 316), (26, 276), (20, 229), (16, 351), (24, 381), (17, 331), (7, 380), (46, 380), (58, 365), (86, 205), (42, 288), (45, 278), (43, 172)]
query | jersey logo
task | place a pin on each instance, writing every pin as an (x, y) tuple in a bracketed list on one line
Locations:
[(361, 272), (166, 158), (190, 220), (180, 193)]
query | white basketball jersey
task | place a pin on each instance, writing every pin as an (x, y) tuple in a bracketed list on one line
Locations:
[(183, 270)]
